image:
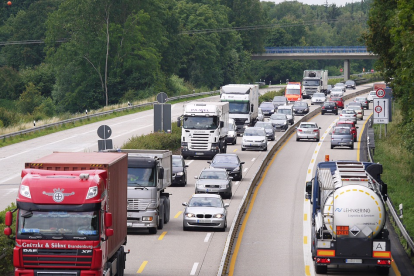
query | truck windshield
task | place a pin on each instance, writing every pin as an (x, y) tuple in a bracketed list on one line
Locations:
[(194, 122), (70, 225), (141, 177), (293, 92), (310, 82), (239, 107)]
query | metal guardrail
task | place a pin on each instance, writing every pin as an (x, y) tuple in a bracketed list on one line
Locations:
[(26, 131), (224, 263), (317, 50), (391, 210)]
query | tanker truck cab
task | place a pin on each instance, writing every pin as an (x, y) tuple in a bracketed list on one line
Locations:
[(348, 216), (205, 127)]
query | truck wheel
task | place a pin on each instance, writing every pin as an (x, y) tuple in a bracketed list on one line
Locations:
[(121, 262), (321, 269), (153, 230), (161, 217), (166, 210)]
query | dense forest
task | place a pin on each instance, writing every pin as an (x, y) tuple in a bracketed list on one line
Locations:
[(65, 56)]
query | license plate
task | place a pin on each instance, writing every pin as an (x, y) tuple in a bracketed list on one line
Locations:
[(199, 153), (329, 110), (265, 112), (212, 190), (204, 221), (353, 261), (300, 111)]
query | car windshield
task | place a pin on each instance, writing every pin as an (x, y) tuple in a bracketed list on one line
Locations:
[(308, 126), (254, 132), (213, 175), (293, 91), (267, 105), (319, 95), (68, 224), (225, 159), (284, 111), (278, 117), (349, 82), (205, 202), (141, 177), (342, 131), (200, 122), (264, 125), (177, 162), (300, 104)]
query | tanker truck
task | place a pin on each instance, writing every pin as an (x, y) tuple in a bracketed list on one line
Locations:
[(71, 215), (348, 216)]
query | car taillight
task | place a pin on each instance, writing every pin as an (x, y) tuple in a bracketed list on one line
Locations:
[(323, 107), (384, 262), (334, 107), (354, 115), (315, 130), (299, 130)]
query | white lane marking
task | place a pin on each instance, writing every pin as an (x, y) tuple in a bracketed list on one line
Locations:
[(194, 270), (189, 162), (127, 132), (245, 169), (307, 254), (253, 159), (237, 183), (10, 178), (207, 238)]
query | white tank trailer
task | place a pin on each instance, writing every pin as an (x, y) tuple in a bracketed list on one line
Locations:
[(348, 216)]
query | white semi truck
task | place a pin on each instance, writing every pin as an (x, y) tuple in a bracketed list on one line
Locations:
[(244, 103), (205, 126), (314, 81), (149, 174), (348, 216)]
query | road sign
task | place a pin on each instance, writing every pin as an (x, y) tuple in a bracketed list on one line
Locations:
[(104, 132), (162, 97), (341, 70), (381, 111), (380, 93)]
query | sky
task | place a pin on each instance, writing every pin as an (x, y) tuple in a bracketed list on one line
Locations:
[(318, 2)]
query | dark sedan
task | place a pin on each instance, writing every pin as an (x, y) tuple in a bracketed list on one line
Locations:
[(300, 108), (267, 108), (179, 170), (350, 84), (270, 131), (230, 162), (329, 107)]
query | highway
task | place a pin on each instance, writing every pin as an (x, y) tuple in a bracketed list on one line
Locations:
[(273, 242)]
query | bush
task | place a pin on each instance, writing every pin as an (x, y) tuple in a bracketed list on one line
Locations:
[(159, 141), (6, 244), (268, 97)]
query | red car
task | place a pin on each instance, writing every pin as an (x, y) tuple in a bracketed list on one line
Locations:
[(351, 125), (339, 102)]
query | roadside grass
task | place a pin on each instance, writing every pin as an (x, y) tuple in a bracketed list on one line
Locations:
[(24, 137), (398, 171)]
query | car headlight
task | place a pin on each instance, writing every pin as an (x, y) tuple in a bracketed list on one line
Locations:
[(200, 185), (92, 192), (284, 123), (218, 216), (180, 173), (225, 186), (244, 126), (146, 218), (190, 215), (236, 169), (25, 191), (294, 109), (272, 110), (261, 141)]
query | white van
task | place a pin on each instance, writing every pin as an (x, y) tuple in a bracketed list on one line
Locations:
[(288, 110), (232, 134)]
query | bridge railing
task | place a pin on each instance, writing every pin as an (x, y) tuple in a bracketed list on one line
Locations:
[(316, 49)]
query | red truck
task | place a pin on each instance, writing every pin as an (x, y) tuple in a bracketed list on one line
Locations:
[(71, 215)]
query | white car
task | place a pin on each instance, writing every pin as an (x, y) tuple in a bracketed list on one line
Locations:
[(371, 96), (254, 138), (337, 92), (318, 98)]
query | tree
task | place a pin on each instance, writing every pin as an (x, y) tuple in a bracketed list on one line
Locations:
[(30, 99)]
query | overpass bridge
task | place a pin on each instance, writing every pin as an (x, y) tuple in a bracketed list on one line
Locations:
[(345, 53)]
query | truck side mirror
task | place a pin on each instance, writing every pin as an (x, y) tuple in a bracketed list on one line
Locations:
[(9, 218), (109, 232), (161, 173), (384, 191), (7, 231), (251, 107), (221, 124), (308, 190), (178, 122), (108, 220)]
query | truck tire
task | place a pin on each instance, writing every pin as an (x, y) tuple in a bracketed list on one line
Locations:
[(161, 217), (321, 269), (121, 262), (152, 230), (166, 210)]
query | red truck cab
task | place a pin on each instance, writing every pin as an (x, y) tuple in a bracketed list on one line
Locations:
[(71, 215)]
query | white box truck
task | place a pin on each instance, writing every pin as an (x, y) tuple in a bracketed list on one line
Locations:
[(205, 127), (314, 81), (244, 103)]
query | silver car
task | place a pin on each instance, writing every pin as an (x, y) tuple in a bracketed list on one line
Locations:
[(214, 181), (254, 138), (363, 101), (318, 98), (342, 137), (279, 121), (308, 130), (358, 109), (205, 210), (348, 115)]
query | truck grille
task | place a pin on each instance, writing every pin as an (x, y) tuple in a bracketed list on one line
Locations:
[(199, 141), (63, 258), (137, 204)]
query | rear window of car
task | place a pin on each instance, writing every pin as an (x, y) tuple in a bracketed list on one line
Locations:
[(342, 131), (336, 99), (278, 117), (345, 125), (300, 104), (307, 126), (347, 111)]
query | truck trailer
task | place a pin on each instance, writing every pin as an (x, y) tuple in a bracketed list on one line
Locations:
[(205, 127), (348, 216), (314, 81), (71, 215), (244, 103), (149, 174)]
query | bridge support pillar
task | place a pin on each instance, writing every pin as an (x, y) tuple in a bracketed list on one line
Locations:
[(347, 69)]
